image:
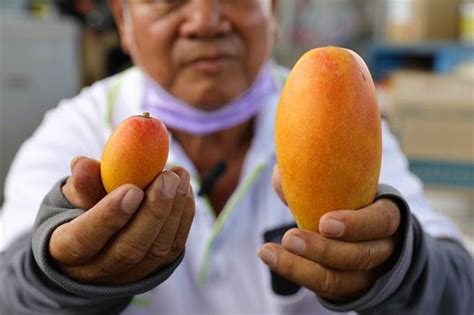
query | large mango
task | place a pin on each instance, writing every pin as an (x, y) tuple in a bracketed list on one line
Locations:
[(328, 135)]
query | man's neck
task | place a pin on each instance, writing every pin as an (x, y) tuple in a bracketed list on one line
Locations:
[(225, 145), (229, 147)]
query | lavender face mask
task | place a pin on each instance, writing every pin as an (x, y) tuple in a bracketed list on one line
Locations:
[(178, 115)]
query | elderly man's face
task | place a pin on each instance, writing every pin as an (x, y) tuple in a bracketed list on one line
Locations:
[(206, 52)]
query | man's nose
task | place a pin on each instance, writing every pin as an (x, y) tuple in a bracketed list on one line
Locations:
[(205, 19)]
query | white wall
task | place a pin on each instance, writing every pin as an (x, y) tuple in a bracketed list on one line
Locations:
[(39, 66)]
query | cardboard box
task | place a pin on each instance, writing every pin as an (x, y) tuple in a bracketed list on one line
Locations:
[(433, 117), (95, 46), (422, 20)]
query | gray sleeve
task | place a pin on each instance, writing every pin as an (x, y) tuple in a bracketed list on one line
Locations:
[(33, 284), (429, 276), (25, 290)]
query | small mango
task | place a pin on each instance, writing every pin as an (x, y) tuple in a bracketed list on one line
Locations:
[(135, 153), (328, 135)]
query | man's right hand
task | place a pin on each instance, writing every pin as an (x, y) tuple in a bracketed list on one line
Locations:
[(124, 235)]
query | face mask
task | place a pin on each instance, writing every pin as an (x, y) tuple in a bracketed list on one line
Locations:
[(176, 114)]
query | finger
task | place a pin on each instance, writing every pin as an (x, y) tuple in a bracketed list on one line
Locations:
[(376, 221), (132, 243), (79, 240), (337, 254), (162, 244), (276, 182), (84, 187), (323, 281), (185, 224), (147, 266)]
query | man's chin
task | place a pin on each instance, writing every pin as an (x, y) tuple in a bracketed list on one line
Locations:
[(208, 104)]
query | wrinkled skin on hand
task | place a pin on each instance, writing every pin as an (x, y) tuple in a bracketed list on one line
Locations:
[(127, 234), (345, 258)]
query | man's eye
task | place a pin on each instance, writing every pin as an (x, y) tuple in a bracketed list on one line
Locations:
[(169, 2), (163, 5)]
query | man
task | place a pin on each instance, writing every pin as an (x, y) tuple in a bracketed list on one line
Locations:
[(203, 69)]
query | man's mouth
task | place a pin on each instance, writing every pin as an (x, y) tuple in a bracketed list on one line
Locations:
[(211, 63)]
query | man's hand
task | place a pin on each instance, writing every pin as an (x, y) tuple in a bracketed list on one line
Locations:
[(127, 234), (341, 261)]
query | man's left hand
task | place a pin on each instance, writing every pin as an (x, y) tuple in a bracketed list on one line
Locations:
[(343, 260)]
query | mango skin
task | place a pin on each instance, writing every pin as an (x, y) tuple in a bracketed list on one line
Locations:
[(328, 135), (135, 153)]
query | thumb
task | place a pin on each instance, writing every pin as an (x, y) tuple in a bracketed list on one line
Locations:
[(84, 187)]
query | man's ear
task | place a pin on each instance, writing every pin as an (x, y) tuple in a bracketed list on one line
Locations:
[(118, 12)]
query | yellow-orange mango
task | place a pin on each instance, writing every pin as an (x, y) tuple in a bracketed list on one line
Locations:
[(135, 153), (328, 135)]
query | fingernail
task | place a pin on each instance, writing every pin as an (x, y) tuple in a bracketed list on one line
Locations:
[(332, 227), (74, 162), (190, 191), (295, 243), (268, 256), (169, 186), (183, 184), (131, 200)]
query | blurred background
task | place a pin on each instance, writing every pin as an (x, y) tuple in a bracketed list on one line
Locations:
[(420, 53)]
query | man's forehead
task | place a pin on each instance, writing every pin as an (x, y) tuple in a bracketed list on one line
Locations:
[(266, 3)]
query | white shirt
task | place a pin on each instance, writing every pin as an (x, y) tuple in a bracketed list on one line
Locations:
[(221, 273)]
